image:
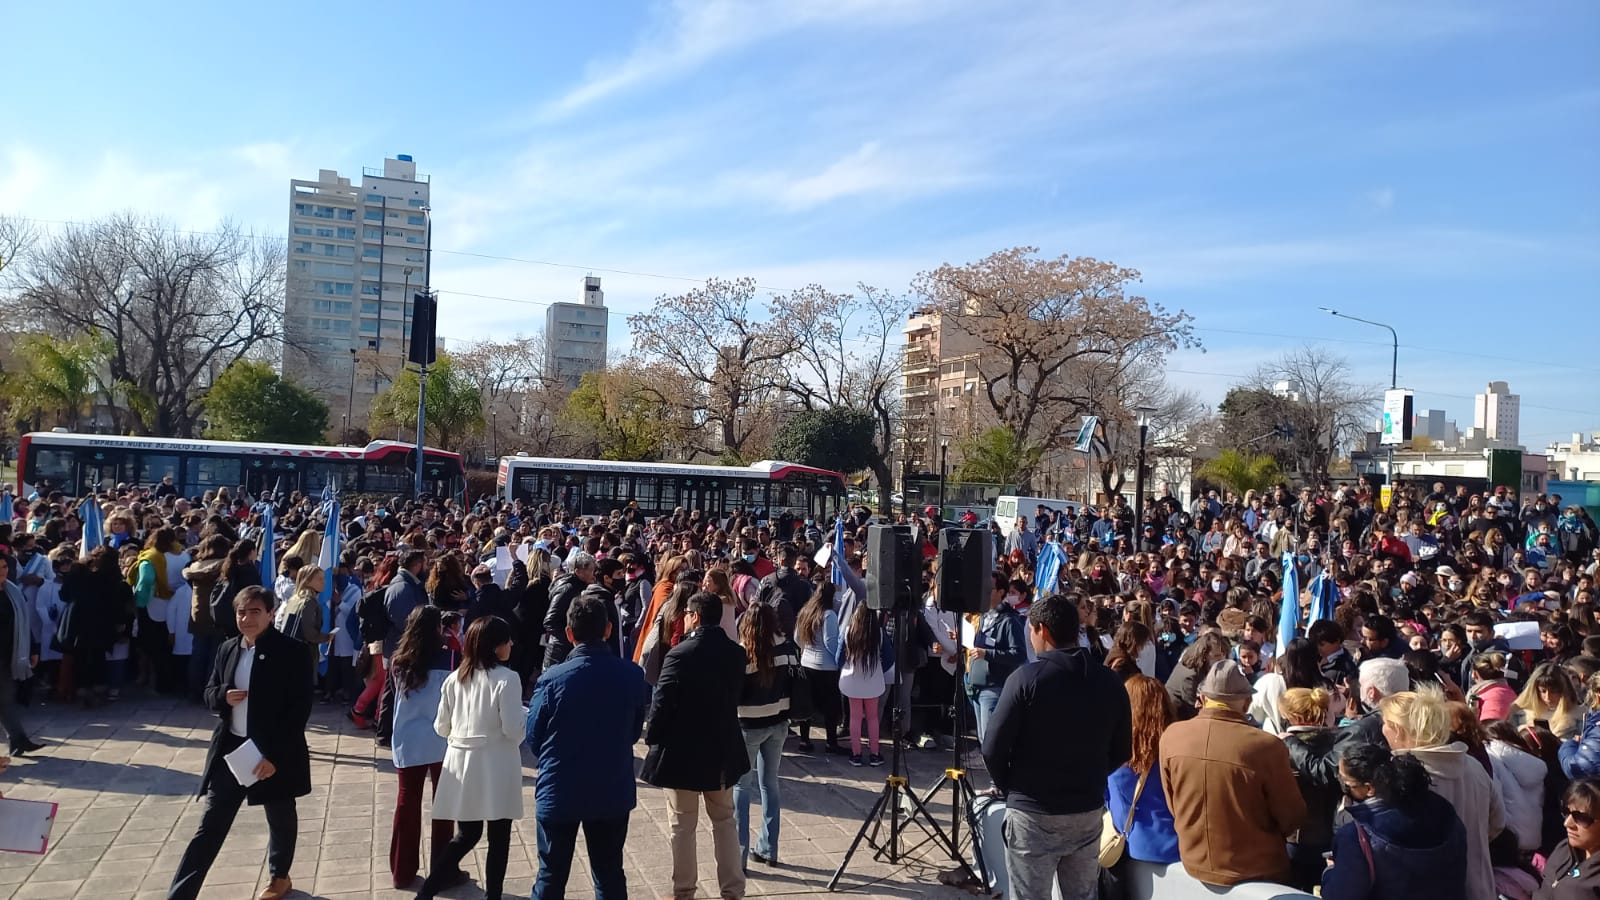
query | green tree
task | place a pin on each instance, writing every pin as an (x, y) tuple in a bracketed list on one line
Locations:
[(58, 377), (1240, 471), (455, 406), (835, 437), (616, 417), (250, 401), (996, 457)]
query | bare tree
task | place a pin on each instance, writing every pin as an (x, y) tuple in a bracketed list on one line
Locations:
[(178, 307), (17, 237), (1039, 326), (1302, 407), (723, 368), (849, 352), (504, 372)]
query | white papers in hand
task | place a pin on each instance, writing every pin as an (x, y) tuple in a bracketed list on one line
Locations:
[(242, 763), (25, 825)]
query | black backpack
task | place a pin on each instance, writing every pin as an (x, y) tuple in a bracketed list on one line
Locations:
[(373, 615)]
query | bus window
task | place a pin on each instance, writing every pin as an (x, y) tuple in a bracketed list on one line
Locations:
[(153, 467), (207, 473), (52, 468), (645, 488)]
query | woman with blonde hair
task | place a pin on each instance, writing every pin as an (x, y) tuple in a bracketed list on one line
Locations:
[(1549, 697), (717, 582), (1153, 838), (303, 619), (1314, 756), (1419, 723)]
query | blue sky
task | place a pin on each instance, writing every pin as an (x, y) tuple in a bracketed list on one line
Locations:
[(1434, 166)]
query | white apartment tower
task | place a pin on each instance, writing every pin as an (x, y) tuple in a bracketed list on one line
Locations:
[(1496, 415), (575, 336), (355, 257)]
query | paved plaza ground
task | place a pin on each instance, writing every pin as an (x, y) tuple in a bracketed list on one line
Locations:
[(124, 776)]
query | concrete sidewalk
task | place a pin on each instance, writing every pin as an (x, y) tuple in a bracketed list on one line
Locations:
[(124, 776)]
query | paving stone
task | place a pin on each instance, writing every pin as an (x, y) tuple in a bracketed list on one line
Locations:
[(124, 776)]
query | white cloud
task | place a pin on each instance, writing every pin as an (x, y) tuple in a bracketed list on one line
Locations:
[(697, 31)]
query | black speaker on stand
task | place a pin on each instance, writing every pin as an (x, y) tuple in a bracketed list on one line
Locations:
[(894, 582), (966, 577)]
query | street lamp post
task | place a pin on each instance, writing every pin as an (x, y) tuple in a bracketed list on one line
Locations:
[(350, 399), (1143, 413), (1394, 375), (494, 434), (944, 448)]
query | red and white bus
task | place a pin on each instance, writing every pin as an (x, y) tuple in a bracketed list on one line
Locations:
[(593, 487), (79, 463)]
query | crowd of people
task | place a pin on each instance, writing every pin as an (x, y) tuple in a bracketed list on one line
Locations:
[(1437, 730)]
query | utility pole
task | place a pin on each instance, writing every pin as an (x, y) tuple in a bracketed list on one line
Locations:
[(425, 340)]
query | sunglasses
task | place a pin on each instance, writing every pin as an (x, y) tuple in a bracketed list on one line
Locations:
[(1582, 818)]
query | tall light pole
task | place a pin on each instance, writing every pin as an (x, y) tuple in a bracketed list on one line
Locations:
[(944, 448), (350, 401), (422, 373), (1394, 376), (1143, 413)]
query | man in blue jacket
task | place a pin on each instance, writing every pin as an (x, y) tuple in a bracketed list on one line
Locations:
[(587, 713)]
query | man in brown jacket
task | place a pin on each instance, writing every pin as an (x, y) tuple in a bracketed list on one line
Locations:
[(1230, 787)]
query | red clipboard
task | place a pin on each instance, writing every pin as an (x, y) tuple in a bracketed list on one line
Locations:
[(25, 826)]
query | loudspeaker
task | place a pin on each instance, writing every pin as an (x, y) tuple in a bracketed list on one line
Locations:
[(894, 571), (966, 568), (424, 329)]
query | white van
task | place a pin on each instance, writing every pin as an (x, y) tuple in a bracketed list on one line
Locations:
[(1006, 509)]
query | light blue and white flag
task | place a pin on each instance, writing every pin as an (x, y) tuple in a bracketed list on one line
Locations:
[(1289, 613)]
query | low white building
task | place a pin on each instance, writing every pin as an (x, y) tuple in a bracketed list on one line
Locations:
[(1578, 460)]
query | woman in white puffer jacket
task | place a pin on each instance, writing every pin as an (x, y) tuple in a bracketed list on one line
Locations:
[(1519, 777)]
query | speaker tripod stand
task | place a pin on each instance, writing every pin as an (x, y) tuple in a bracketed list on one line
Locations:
[(963, 796), (888, 821)]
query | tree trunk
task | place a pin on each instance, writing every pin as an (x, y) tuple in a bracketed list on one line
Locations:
[(885, 479)]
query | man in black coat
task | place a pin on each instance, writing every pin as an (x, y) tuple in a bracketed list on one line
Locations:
[(261, 688), (785, 590), (563, 591), (696, 747)]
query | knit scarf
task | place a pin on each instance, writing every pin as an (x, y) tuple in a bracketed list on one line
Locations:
[(158, 562)]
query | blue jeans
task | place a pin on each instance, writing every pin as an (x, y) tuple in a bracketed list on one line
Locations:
[(984, 701), (558, 840), (205, 653), (765, 747)]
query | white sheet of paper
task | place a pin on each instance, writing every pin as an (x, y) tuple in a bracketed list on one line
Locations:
[(824, 555), (242, 763), (25, 825), (523, 550), (502, 565)]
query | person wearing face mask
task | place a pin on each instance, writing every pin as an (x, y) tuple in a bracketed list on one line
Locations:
[(1395, 838), (750, 552), (998, 648), (609, 580), (1479, 625)]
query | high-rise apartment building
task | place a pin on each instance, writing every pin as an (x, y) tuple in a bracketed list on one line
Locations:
[(939, 388), (1496, 416), (575, 336), (356, 255)]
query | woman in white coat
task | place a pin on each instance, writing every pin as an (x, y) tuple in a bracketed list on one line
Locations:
[(1520, 776), (482, 720)]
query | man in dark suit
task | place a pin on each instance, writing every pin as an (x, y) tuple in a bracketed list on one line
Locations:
[(696, 747), (261, 688)]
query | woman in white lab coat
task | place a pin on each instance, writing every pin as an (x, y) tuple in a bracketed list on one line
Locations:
[(482, 719)]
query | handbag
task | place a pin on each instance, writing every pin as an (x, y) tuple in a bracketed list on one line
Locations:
[(61, 640), (1113, 843)]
